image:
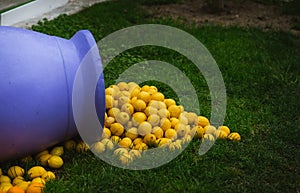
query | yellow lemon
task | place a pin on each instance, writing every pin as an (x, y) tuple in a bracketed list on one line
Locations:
[(198, 132), (158, 96), (40, 154), (150, 111), (123, 86), (165, 124), (98, 147), (220, 134), (163, 141), (4, 179), (116, 129), (55, 162), (139, 105), (203, 121), (122, 118), (135, 153), (164, 113), (234, 136), (154, 120), (209, 129), (4, 187), (125, 158), (38, 180), (208, 137), (171, 134), (48, 176), (158, 132), (106, 133), (134, 91), (82, 147), (132, 133), (109, 101), (174, 111), (225, 129), (58, 150), (36, 171), (108, 121), (108, 144), (113, 112), (144, 128), (120, 151), (123, 100), (149, 139), (15, 171), (174, 121), (128, 108), (139, 117), (141, 146), (17, 180), (70, 145), (115, 139), (126, 142), (169, 102), (137, 141), (181, 131), (44, 159), (24, 185)]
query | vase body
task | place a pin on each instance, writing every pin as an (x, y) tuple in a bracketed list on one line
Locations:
[(37, 72)]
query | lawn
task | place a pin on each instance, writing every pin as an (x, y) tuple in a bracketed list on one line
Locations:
[(261, 72)]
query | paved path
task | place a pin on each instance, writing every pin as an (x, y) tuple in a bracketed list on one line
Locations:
[(71, 7), (4, 4)]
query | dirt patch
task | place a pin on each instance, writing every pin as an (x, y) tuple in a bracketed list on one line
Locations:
[(246, 13)]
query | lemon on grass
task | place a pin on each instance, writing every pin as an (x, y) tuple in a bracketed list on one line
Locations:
[(17, 180), (70, 145), (234, 136), (15, 171), (38, 180), (82, 147), (55, 162), (224, 129), (197, 132), (48, 176), (4, 179), (203, 121), (40, 154), (221, 134), (58, 150), (36, 171)]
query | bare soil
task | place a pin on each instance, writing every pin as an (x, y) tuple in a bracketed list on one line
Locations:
[(241, 13)]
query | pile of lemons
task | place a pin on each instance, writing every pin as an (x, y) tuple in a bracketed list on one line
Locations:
[(139, 118), (136, 119)]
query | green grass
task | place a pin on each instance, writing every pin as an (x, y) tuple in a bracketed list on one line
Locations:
[(261, 73)]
